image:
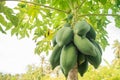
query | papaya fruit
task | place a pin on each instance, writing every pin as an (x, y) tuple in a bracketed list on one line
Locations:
[(68, 58), (91, 34), (82, 68), (80, 58), (64, 36), (81, 28), (67, 25), (69, 17), (95, 60), (97, 45), (84, 45), (55, 56)]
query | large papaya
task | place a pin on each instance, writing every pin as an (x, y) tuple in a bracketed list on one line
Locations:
[(84, 45), (82, 68), (68, 58), (81, 28), (55, 56), (95, 60), (91, 34), (64, 36)]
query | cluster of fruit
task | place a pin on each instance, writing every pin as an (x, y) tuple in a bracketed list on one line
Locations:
[(75, 46)]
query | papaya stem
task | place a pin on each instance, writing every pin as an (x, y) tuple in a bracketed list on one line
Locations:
[(44, 6)]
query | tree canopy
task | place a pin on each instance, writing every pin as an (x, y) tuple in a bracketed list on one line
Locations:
[(42, 18)]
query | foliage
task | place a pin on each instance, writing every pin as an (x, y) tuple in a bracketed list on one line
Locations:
[(34, 73), (42, 18)]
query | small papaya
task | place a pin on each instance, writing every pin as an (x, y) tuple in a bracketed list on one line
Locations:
[(67, 25)]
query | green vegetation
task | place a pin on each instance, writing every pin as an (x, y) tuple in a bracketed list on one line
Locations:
[(110, 72), (85, 29)]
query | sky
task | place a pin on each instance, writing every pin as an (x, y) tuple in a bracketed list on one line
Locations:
[(16, 54)]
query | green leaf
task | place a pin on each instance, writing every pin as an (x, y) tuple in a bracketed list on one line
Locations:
[(9, 26), (96, 0), (39, 20), (9, 15), (2, 30), (7, 10), (117, 3), (103, 1), (13, 19), (3, 21), (14, 30), (117, 21)]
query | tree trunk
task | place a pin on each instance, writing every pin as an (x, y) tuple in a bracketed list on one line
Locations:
[(73, 74)]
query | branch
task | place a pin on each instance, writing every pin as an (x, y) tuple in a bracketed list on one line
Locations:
[(81, 4), (43, 6), (99, 15)]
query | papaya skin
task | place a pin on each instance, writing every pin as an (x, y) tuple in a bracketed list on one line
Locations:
[(84, 45), (68, 58), (81, 28), (64, 36)]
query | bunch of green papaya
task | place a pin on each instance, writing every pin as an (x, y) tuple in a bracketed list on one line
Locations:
[(75, 46)]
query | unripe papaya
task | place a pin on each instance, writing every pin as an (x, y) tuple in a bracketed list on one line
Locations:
[(97, 45), (84, 45), (80, 58), (68, 58), (67, 25), (81, 28), (91, 34), (55, 56), (95, 60), (64, 36), (82, 68)]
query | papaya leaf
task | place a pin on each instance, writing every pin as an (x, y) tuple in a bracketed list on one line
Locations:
[(7, 10), (1, 29), (117, 21), (9, 26), (2, 20), (14, 31), (103, 1), (13, 19)]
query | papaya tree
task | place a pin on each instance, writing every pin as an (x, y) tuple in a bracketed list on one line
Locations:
[(41, 19)]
